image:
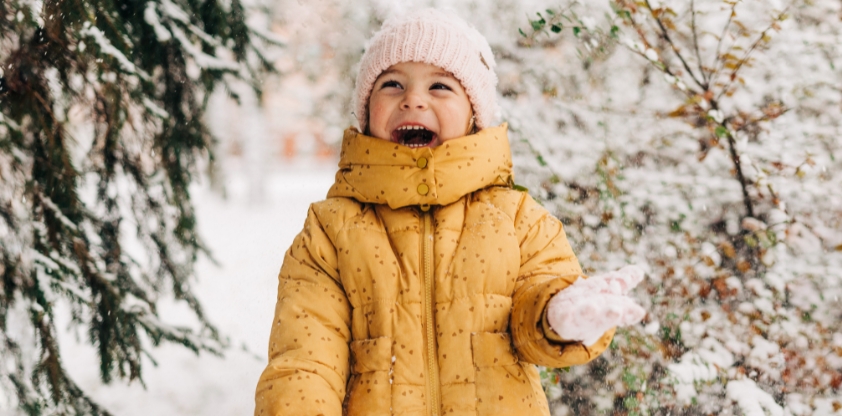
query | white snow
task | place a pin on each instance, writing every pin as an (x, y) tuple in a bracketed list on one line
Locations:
[(249, 241), (57, 212), (202, 59), (150, 15), (154, 108), (107, 48), (701, 365), (752, 400)]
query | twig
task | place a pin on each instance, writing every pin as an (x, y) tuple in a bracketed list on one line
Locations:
[(696, 45), (557, 17), (762, 119), (664, 68), (745, 57), (735, 159), (672, 45), (719, 42)]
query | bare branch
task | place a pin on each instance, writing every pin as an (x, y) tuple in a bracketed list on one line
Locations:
[(735, 159), (719, 42), (744, 59), (667, 38), (696, 45), (665, 69), (765, 117)]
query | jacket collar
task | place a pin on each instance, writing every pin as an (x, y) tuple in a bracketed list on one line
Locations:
[(377, 171)]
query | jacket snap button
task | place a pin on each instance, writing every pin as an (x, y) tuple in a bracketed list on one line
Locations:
[(422, 162), (423, 189)]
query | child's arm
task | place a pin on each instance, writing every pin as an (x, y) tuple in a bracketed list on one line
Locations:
[(308, 347), (548, 265)]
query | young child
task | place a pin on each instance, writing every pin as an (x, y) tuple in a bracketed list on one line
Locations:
[(421, 285)]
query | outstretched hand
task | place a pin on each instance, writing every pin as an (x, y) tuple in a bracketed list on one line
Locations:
[(589, 307)]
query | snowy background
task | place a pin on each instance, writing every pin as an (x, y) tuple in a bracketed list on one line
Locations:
[(248, 240), (634, 148), (628, 157)]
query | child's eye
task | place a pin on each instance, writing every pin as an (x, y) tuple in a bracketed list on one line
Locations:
[(439, 86), (390, 84)]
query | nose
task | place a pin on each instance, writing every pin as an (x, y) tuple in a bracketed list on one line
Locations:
[(414, 100)]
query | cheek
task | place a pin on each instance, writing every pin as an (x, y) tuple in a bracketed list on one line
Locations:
[(378, 106), (378, 116), (375, 113), (455, 119)]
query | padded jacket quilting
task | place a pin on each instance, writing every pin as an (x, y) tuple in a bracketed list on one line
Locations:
[(352, 309)]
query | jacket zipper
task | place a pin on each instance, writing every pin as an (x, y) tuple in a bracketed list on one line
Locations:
[(434, 406)]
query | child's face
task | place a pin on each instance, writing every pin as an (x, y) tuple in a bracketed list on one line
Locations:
[(410, 95)]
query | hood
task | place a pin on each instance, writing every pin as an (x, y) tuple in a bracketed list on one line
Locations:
[(373, 170)]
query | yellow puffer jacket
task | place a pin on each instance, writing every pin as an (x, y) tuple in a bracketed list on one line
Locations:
[(423, 277)]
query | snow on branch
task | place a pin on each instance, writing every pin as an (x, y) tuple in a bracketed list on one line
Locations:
[(155, 109), (107, 48), (9, 123), (752, 399), (150, 15), (202, 59), (49, 204), (267, 35), (173, 11), (176, 13), (183, 336)]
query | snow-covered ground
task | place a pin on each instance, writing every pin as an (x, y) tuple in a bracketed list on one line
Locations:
[(248, 239)]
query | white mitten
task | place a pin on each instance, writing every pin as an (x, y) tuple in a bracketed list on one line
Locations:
[(589, 307)]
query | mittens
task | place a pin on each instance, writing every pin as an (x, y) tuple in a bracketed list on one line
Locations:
[(589, 307)]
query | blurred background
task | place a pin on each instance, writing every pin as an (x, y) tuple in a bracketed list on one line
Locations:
[(182, 146)]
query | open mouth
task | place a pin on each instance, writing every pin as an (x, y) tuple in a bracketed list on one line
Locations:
[(413, 136)]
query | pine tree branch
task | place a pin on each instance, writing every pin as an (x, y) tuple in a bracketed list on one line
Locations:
[(78, 244)]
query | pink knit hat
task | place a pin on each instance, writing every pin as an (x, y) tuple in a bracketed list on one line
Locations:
[(438, 38)]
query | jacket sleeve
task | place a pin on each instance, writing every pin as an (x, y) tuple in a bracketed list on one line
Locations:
[(547, 266), (308, 346)]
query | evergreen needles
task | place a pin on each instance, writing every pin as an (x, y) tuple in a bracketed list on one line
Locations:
[(101, 133)]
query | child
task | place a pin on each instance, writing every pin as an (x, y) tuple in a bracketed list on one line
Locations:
[(421, 285)]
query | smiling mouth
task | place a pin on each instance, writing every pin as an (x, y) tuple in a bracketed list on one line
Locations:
[(413, 136)]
